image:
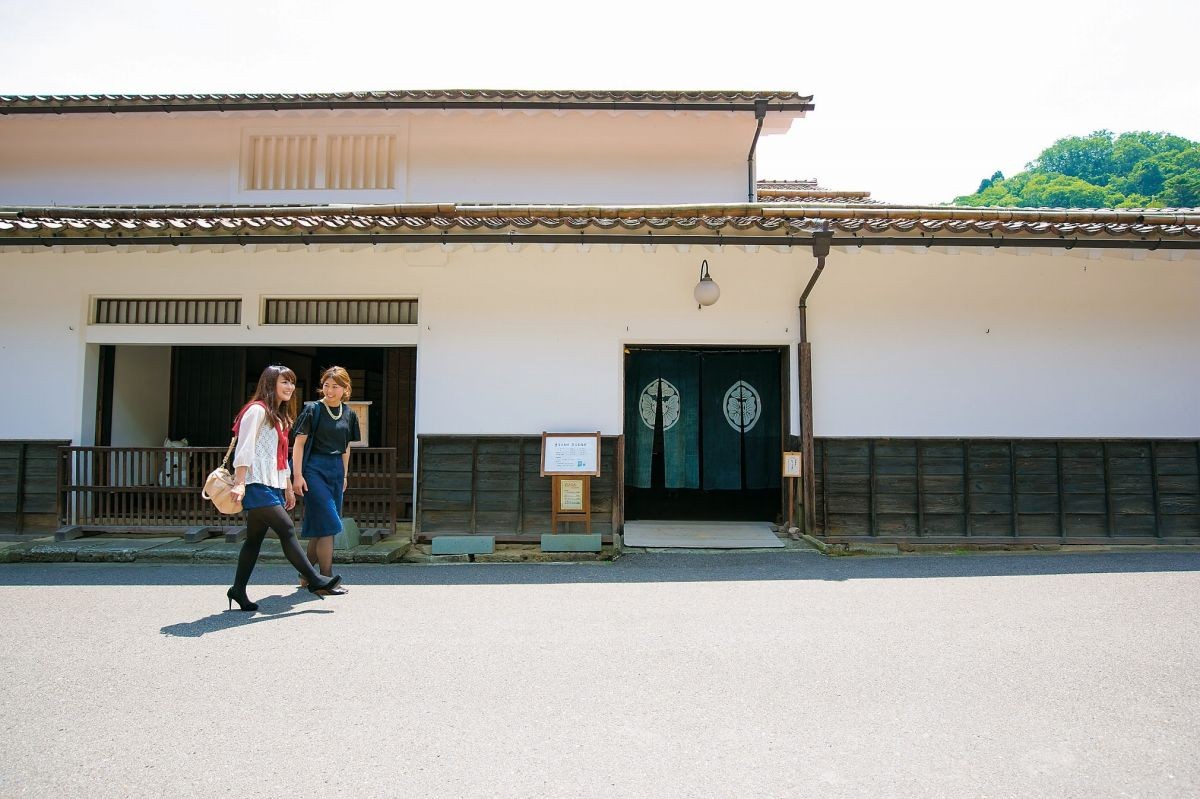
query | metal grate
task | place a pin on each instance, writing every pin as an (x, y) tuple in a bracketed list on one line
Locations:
[(386, 311), (281, 162), (360, 162), (166, 311)]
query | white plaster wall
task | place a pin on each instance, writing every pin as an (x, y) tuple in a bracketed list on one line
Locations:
[(42, 347), (532, 341), (118, 159), (543, 157), (47, 343), (522, 341), (590, 157), (932, 344), (141, 405)]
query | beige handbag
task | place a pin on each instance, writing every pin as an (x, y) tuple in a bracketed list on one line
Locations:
[(218, 487)]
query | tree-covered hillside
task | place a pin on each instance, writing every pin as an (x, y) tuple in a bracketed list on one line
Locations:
[(1132, 170)]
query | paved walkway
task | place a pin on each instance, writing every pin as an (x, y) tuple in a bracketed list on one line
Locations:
[(659, 674)]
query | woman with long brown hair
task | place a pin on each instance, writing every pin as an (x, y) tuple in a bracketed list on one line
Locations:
[(261, 482)]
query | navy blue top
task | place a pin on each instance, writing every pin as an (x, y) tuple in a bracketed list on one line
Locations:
[(328, 436)]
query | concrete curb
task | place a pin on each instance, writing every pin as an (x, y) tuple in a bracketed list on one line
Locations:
[(510, 553), (101, 549), (910, 548)]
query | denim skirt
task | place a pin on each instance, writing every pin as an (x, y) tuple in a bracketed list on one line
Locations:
[(261, 496), (323, 500)]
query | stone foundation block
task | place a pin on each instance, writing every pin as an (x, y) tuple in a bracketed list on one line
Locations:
[(569, 542), (464, 545)]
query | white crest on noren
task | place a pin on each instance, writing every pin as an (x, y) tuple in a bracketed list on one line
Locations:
[(742, 406), (648, 400)]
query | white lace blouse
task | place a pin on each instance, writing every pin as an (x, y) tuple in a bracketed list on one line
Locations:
[(258, 443)]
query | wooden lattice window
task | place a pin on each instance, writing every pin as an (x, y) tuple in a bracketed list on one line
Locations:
[(166, 311), (375, 311), (360, 161), (281, 162)]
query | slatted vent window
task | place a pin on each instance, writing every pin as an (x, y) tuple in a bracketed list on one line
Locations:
[(282, 162), (340, 312), (143, 311), (360, 161)]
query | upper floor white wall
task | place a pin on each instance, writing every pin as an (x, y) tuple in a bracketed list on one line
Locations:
[(596, 157), (978, 343)]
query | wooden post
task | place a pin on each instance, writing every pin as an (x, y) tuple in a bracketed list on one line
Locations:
[(791, 517), (1158, 531), (808, 480)]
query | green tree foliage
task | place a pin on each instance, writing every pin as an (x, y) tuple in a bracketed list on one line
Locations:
[(1101, 170)]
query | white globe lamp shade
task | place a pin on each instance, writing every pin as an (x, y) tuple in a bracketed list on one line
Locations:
[(707, 291)]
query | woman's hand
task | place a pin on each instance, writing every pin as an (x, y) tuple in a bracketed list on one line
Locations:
[(345, 482), (289, 499), (299, 485), (238, 492)]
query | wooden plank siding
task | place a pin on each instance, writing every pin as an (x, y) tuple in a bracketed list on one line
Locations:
[(491, 485), (989, 490), (29, 485)]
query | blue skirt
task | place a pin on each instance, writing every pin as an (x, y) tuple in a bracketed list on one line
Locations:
[(323, 500), (261, 496)]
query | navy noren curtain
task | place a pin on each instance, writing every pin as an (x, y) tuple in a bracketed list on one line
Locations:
[(670, 380), (741, 420)]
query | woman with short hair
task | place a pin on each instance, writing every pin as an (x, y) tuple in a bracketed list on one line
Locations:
[(322, 459)]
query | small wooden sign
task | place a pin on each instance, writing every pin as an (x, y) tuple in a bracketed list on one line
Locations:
[(571, 501), (572, 454), (792, 464), (570, 494)]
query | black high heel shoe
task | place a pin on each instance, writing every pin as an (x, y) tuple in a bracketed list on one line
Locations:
[(328, 586), (243, 601)]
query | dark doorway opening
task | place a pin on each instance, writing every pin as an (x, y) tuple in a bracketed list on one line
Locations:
[(209, 385), (703, 433)]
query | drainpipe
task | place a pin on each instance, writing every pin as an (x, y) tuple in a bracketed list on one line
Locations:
[(820, 247), (760, 113)]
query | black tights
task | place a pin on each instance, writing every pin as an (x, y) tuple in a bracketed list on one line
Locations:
[(258, 521)]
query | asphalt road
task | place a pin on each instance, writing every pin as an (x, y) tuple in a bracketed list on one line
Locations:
[(659, 675)]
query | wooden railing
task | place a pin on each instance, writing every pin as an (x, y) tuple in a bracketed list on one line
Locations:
[(133, 487)]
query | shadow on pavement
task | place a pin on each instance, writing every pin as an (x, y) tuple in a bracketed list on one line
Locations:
[(641, 567), (270, 608)]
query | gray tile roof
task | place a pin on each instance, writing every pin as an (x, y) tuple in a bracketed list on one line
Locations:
[(731, 100), (762, 223)]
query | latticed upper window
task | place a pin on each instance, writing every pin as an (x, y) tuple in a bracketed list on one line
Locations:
[(166, 311), (380, 311), (281, 162)]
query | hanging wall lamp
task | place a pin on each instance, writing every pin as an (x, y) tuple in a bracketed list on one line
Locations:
[(707, 291)]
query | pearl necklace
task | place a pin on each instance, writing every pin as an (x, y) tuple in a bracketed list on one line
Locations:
[(341, 410)]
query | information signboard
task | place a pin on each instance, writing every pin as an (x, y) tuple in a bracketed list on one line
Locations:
[(571, 454)]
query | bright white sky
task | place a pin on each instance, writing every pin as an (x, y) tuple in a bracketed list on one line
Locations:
[(916, 101)]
